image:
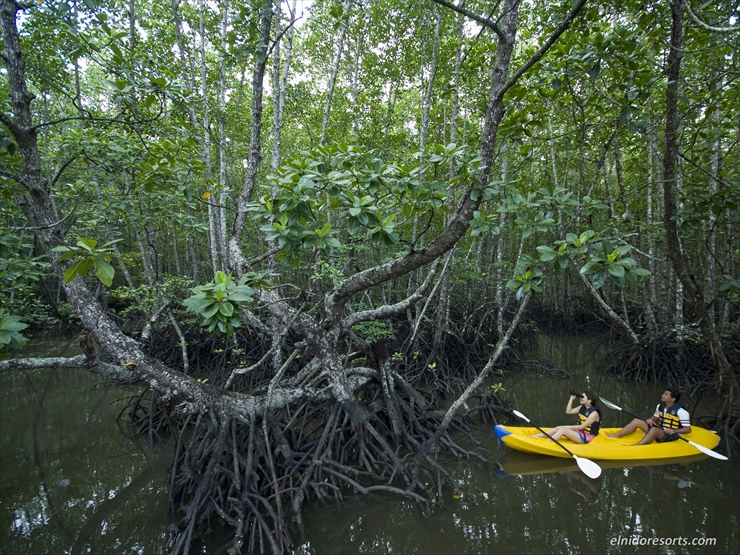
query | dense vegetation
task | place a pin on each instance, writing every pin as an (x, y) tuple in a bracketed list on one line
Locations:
[(335, 217)]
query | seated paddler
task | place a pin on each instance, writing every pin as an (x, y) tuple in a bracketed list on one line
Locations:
[(669, 420), (589, 419)]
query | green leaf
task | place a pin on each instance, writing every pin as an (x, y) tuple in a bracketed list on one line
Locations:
[(12, 324), (623, 249), (616, 270), (211, 311), (86, 243), (594, 71), (546, 253), (599, 278), (78, 268), (104, 270)]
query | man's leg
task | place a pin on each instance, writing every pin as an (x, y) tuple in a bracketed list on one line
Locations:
[(631, 427), (651, 435)]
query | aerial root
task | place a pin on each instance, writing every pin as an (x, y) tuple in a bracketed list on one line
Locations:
[(256, 476)]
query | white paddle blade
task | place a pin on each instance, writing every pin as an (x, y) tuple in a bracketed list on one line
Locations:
[(520, 415), (610, 404), (708, 451), (589, 467)]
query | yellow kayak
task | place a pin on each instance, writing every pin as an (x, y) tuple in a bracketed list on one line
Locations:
[(602, 447)]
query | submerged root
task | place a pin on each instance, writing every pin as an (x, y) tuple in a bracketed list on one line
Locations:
[(256, 475)]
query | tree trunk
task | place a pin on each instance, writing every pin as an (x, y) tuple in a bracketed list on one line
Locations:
[(213, 222), (334, 73), (223, 139), (443, 311), (620, 175), (725, 376), (255, 143), (280, 85)]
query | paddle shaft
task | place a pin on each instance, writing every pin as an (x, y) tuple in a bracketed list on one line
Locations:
[(589, 468), (563, 447)]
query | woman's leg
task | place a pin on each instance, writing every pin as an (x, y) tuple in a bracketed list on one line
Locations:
[(548, 433), (572, 435)]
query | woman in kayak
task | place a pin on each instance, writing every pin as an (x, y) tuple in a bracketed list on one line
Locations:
[(589, 420)]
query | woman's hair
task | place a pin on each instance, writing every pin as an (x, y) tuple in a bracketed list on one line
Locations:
[(591, 397)]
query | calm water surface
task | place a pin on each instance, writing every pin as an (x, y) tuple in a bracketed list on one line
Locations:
[(538, 505), (71, 482)]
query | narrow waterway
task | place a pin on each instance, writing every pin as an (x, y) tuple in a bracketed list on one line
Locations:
[(527, 504), (72, 482)]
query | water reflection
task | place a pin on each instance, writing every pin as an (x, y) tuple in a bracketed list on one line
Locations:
[(70, 482), (546, 505), (557, 511)]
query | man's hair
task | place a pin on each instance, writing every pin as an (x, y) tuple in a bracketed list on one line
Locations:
[(675, 393)]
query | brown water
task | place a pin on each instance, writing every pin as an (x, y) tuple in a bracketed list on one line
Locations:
[(551, 507), (71, 482)]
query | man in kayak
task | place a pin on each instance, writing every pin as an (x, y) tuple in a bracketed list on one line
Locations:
[(670, 420), (589, 420)]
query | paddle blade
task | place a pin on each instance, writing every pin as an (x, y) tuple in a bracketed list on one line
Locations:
[(520, 415), (708, 451), (588, 467), (610, 404)]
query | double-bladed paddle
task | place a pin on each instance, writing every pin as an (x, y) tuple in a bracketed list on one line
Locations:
[(589, 468), (701, 448)]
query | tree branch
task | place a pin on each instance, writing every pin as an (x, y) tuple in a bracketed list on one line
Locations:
[(452, 410), (545, 47), (709, 28), (14, 177), (467, 13), (8, 122), (400, 307), (79, 361)]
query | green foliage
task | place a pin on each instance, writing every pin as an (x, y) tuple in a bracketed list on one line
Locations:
[(9, 337), (147, 299), (373, 330), (498, 387), (88, 255), (608, 261), (19, 278), (527, 277), (364, 195), (729, 285), (604, 260), (16, 270), (219, 300)]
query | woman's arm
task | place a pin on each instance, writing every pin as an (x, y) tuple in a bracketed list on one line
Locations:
[(569, 409)]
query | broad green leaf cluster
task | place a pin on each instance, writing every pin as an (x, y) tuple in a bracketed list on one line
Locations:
[(88, 255), (10, 325), (218, 302)]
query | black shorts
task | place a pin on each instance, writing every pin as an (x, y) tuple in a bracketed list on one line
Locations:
[(668, 437)]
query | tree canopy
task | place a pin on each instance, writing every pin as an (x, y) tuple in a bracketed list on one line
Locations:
[(348, 200)]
